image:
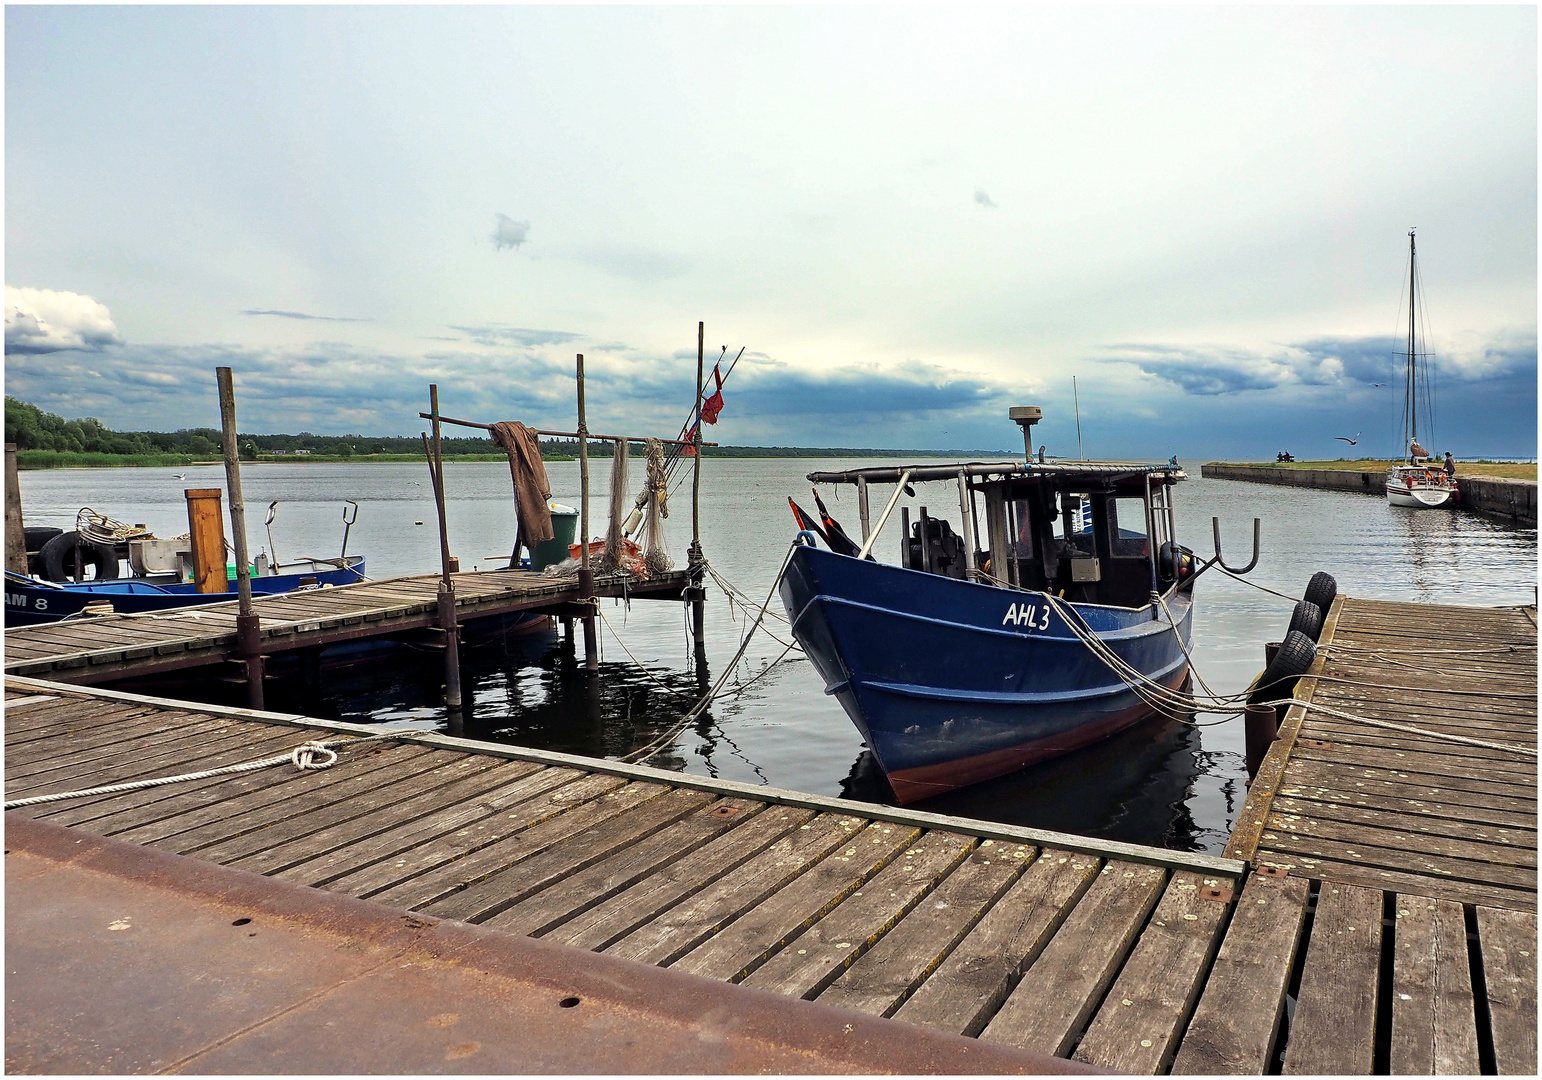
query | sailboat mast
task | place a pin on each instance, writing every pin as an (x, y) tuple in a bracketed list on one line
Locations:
[(1413, 411)]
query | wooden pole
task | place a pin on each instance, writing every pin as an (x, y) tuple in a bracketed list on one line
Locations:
[(15, 534), (248, 633), (446, 598), (585, 574), (698, 591)]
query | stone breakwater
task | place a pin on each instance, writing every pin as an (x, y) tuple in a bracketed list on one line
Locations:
[(1515, 500)]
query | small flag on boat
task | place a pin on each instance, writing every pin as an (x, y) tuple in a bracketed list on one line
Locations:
[(836, 536), (806, 522)]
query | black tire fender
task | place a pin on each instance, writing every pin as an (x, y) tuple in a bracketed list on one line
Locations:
[(1294, 659), (1307, 618), (58, 558), (1321, 590)]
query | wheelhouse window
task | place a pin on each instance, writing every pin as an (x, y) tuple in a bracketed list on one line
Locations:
[(1127, 528)]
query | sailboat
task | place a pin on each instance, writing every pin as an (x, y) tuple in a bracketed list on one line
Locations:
[(1421, 484)]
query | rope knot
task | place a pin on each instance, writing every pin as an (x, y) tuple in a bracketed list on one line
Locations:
[(312, 755)]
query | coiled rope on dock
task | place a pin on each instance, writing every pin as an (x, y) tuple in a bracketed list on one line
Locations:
[(312, 755)]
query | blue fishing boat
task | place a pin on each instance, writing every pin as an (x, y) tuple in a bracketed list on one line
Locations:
[(987, 651), (29, 601)]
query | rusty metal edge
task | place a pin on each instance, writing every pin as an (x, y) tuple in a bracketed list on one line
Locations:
[(1108, 849), (864, 1043), (1254, 815)]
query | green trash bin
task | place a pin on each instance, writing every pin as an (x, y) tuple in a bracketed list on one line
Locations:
[(564, 524)]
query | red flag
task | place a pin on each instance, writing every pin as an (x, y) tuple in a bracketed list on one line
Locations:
[(689, 438), (714, 404)]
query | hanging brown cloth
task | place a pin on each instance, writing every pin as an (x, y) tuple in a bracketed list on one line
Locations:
[(532, 489)]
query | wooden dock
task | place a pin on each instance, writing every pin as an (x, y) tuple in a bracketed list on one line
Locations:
[(1120, 956), (111, 647)]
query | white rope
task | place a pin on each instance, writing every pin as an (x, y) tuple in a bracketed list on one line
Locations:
[(652, 748), (306, 756)]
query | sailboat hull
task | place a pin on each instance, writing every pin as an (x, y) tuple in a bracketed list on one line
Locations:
[(1417, 491)]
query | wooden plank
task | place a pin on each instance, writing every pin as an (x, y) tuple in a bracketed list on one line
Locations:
[(20, 703), (570, 856), (1060, 992), (1507, 943), (1238, 1015), (743, 945), (1307, 774), (673, 933), (969, 986), (70, 716), (1467, 892), (1390, 835), (1427, 808), (155, 761), (879, 981), (427, 888), (1434, 1027), (272, 851), (1334, 1029), (579, 892), (1425, 767), (1456, 788), (72, 757), (1402, 742), (809, 961), (606, 922), (1361, 853), (1137, 1028), (448, 816), (157, 812), (1445, 836), (323, 805), (434, 855)]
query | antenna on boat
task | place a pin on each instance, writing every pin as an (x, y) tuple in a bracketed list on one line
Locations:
[(1025, 416), (1074, 397)]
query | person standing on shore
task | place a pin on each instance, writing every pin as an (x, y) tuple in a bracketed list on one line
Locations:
[(1450, 465)]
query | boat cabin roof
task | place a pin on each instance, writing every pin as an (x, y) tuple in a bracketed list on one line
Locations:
[(1101, 472)]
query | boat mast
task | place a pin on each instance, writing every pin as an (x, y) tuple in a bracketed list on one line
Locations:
[(1410, 390)]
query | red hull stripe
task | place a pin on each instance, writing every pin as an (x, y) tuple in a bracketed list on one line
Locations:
[(913, 785)]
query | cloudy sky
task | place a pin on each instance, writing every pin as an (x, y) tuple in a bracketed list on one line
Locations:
[(910, 219)]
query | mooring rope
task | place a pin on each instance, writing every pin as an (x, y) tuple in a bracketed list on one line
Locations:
[(307, 756)]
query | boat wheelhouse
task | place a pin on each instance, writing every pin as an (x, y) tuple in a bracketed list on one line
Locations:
[(1040, 625)]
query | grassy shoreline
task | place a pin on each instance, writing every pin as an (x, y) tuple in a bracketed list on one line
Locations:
[(1509, 470)]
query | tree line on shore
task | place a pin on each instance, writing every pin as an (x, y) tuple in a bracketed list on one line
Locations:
[(34, 430)]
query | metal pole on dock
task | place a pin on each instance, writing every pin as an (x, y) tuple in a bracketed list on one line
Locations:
[(15, 535), (698, 591), (248, 632), (446, 598), (585, 574)]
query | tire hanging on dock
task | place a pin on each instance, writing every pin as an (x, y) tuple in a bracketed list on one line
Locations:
[(1295, 657), (1306, 618), (1321, 591)]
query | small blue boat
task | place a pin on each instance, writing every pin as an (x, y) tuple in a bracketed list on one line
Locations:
[(29, 601), (960, 664)]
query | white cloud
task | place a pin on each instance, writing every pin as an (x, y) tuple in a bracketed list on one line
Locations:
[(510, 233), (45, 321)]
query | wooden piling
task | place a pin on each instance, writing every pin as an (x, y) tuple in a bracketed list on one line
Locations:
[(248, 632), (206, 536), (585, 574), (15, 534), (446, 597)]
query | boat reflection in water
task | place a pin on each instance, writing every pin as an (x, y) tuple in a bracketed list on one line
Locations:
[(1134, 787)]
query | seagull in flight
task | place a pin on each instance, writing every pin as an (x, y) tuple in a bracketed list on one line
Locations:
[(1346, 438), (179, 476)]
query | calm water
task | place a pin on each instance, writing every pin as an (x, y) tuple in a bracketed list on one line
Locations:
[(1162, 782)]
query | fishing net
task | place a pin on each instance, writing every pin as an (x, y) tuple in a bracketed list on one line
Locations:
[(657, 508), (614, 555)]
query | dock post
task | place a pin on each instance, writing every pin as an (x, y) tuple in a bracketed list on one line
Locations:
[(1262, 728), (248, 632), (446, 598), (15, 534), (585, 574), (695, 561)]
